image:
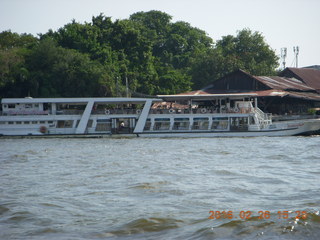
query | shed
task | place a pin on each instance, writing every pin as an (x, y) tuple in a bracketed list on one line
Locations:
[(293, 92)]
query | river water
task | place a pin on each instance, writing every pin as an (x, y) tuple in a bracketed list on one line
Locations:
[(71, 188)]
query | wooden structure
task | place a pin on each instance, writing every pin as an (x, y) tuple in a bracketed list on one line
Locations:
[(294, 91)]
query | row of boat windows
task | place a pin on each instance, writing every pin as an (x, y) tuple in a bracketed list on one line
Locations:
[(60, 124), (184, 124), (102, 125), (26, 105), (221, 123), (158, 124), (26, 122)]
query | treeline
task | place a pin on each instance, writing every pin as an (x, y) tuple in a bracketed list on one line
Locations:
[(148, 51)]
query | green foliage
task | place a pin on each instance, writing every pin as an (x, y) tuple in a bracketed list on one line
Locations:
[(247, 51), (64, 72), (154, 54), (13, 71)]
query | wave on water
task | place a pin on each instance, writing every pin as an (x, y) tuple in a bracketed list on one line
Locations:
[(257, 228), (164, 187), (143, 225), (152, 185)]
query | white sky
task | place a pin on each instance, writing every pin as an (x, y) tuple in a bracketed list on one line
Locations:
[(283, 23)]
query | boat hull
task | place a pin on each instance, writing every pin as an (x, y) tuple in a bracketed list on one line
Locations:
[(288, 128)]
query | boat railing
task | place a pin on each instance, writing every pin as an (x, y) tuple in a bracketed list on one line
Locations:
[(276, 118), (69, 112), (201, 110), (24, 112), (116, 111), (264, 118), (171, 111)]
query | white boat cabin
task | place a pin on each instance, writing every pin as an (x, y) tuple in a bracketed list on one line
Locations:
[(214, 115)]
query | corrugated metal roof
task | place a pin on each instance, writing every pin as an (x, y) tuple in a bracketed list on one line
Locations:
[(201, 95), (281, 93), (305, 95), (294, 83), (273, 82), (283, 83), (271, 93), (310, 76), (265, 93), (193, 93)]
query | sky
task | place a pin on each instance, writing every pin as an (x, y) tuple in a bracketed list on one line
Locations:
[(283, 23)]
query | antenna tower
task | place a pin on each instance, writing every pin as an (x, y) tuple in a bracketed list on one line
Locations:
[(283, 56), (296, 53)]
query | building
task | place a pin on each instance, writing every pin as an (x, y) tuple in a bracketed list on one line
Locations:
[(294, 91), (309, 75)]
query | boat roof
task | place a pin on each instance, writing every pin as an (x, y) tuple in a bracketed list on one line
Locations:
[(77, 100)]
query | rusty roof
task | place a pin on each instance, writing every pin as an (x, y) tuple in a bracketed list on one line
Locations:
[(309, 76), (202, 95), (272, 82), (293, 82), (193, 93), (282, 93), (305, 95), (283, 83)]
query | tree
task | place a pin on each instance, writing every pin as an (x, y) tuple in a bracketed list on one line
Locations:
[(249, 51), (152, 53), (60, 72), (13, 71)]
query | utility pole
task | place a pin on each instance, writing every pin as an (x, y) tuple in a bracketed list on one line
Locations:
[(117, 86), (127, 87)]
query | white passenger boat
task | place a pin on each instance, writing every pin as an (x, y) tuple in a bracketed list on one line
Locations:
[(228, 115)]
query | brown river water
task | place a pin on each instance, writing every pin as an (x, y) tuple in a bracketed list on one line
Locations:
[(135, 188)]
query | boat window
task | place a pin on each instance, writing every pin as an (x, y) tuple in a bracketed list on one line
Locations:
[(220, 124), (103, 125), (200, 123), (18, 122), (42, 122), (11, 106), (10, 122), (28, 105), (64, 124), (77, 123), (34, 122), (89, 124), (2, 122), (181, 124), (103, 120), (161, 124), (68, 123), (220, 119), (147, 126), (251, 120), (239, 123), (26, 122)]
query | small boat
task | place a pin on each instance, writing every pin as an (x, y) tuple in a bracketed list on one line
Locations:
[(215, 115)]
